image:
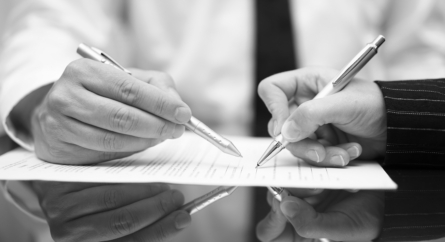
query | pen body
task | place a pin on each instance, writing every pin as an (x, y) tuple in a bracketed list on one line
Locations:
[(207, 199)]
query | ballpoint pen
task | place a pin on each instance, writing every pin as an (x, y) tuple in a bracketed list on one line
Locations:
[(278, 192), (207, 199), (335, 85), (193, 125)]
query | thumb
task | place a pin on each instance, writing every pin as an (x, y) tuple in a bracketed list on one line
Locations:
[(307, 222), (311, 115), (276, 98)]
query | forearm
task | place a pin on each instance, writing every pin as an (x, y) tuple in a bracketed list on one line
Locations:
[(415, 160), (415, 122)]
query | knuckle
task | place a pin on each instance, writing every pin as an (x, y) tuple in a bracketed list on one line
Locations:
[(66, 232), (161, 233), (123, 120), (163, 205), (111, 198), (128, 91), (50, 127), (160, 105), (165, 129), (76, 71), (306, 111), (75, 67), (111, 142), (262, 88), (57, 100), (168, 201), (273, 107), (55, 151), (54, 209), (123, 222)]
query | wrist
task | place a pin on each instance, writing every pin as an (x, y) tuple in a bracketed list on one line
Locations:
[(21, 114)]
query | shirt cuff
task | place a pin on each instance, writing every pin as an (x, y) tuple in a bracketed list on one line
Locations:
[(20, 194)]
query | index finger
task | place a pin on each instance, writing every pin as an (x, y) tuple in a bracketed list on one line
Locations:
[(159, 79), (109, 82), (301, 84)]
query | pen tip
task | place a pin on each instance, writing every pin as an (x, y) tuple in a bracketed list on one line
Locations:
[(232, 150), (256, 167), (273, 149)]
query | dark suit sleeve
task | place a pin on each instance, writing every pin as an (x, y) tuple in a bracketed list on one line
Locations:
[(415, 160)]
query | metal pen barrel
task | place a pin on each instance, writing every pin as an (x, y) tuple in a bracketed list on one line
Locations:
[(212, 137), (207, 199)]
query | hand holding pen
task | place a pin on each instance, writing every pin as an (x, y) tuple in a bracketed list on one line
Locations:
[(193, 124), (95, 112), (279, 90)]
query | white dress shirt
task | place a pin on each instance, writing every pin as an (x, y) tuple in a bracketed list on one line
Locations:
[(207, 46)]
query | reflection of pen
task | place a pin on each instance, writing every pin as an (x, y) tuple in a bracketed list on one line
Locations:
[(336, 85), (207, 199), (193, 125), (278, 192)]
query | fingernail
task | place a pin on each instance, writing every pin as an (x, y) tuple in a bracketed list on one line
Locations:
[(179, 130), (290, 209), (182, 220), (291, 131), (182, 115), (313, 155), (276, 129), (337, 160), (353, 152)]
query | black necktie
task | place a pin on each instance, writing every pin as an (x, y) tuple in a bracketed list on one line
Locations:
[(274, 53)]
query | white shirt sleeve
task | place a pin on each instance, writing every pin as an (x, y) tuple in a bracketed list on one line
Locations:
[(40, 40)]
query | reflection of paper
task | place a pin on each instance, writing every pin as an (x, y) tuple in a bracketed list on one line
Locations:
[(191, 160)]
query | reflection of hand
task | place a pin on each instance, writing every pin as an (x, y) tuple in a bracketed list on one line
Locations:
[(95, 112), (334, 214), (343, 122), (111, 212)]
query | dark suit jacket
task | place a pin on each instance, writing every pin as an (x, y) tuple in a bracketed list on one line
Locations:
[(415, 160)]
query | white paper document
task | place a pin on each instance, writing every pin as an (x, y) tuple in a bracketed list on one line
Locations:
[(192, 160)]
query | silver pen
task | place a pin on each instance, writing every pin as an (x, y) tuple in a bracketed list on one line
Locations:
[(207, 199), (278, 192), (193, 125), (335, 85)]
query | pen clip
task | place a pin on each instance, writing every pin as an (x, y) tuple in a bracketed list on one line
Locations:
[(106, 56)]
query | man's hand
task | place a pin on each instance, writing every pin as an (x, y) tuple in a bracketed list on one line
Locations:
[(95, 112), (111, 212), (333, 214), (347, 124)]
